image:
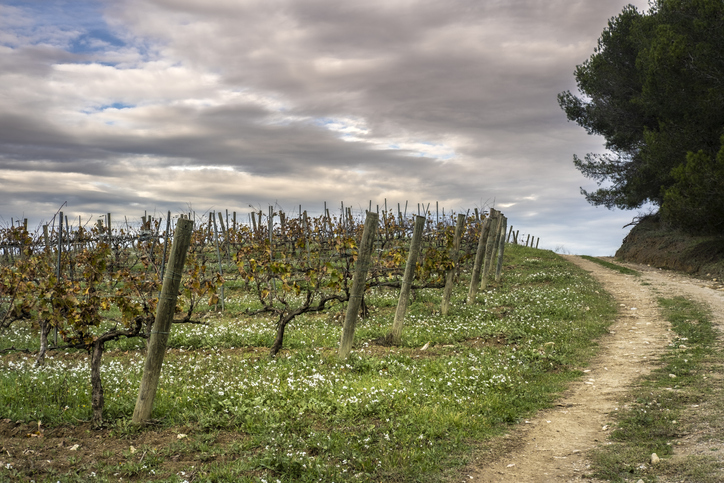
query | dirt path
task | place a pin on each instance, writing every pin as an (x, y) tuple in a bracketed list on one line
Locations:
[(551, 446)]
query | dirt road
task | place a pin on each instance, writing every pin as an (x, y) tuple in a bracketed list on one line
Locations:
[(552, 446)]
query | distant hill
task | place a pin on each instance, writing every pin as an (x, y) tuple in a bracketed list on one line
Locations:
[(652, 243)]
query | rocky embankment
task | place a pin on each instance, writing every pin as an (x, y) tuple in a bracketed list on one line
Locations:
[(651, 243)]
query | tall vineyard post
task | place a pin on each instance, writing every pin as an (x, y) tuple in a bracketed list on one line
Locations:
[(162, 326), (490, 246), (404, 298), (501, 250), (478, 263), (454, 256), (358, 284)]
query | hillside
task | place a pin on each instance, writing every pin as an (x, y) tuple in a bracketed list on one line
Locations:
[(652, 243)]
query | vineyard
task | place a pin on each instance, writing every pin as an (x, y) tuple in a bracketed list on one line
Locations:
[(369, 326)]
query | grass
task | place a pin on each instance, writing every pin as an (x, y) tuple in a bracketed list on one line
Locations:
[(384, 414), (658, 411), (612, 266)]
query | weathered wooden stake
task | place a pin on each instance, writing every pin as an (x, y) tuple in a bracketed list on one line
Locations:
[(358, 284), (404, 299), (479, 258), (501, 250), (221, 223), (162, 325), (218, 255), (110, 239), (46, 238), (60, 253), (454, 256), (165, 242), (490, 246)]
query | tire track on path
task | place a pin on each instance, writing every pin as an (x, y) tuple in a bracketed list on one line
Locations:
[(551, 446)]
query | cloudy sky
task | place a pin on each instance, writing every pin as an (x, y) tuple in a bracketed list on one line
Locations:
[(133, 105)]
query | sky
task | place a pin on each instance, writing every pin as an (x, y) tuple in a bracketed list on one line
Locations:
[(128, 106)]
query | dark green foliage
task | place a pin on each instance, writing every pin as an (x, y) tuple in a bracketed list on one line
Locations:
[(696, 201), (654, 89)]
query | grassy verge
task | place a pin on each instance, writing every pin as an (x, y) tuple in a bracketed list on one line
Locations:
[(406, 413), (612, 266), (666, 405)]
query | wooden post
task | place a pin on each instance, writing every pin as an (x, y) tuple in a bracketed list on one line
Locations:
[(305, 230), (501, 250), (490, 246), (221, 223), (515, 236), (46, 238), (218, 255), (165, 242), (527, 240), (536, 243), (454, 256), (358, 284), (479, 258), (510, 233), (60, 253), (404, 299), (162, 325)]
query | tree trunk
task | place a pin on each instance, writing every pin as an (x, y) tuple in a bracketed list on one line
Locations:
[(283, 321), (44, 332)]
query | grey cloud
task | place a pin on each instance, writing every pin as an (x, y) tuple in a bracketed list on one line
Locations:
[(479, 77)]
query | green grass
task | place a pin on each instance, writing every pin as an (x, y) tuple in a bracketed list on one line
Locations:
[(655, 412), (385, 414), (612, 266)]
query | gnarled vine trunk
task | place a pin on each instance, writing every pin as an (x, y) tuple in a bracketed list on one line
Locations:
[(45, 327)]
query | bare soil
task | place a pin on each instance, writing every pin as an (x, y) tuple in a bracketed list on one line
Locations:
[(552, 446)]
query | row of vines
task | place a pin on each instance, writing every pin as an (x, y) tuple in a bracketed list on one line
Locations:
[(84, 287)]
